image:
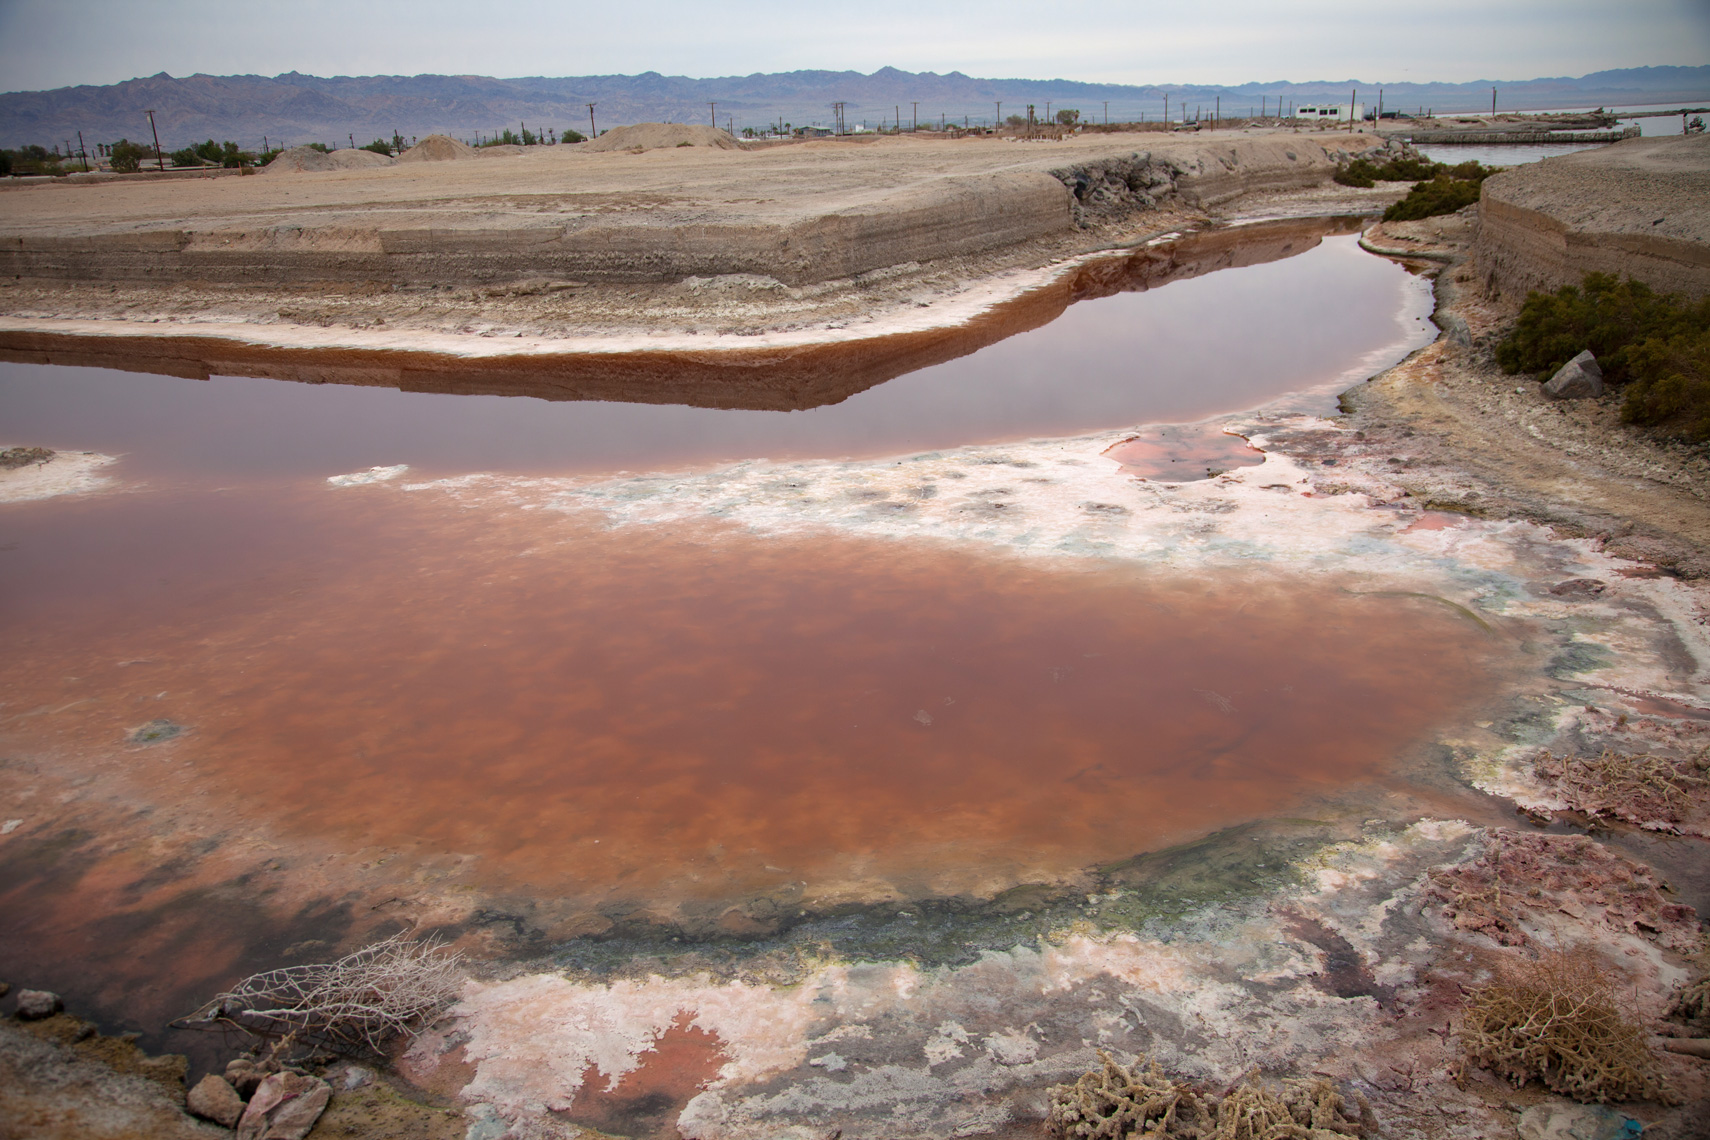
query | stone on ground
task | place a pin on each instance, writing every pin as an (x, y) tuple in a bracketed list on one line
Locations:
[(1578, 379), (214, 1099), (33, 1005), (284, 1107)]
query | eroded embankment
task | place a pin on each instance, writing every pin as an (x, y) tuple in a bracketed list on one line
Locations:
[(1640, 208), (901, 217)]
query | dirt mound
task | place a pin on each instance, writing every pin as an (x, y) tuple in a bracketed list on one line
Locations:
[(437, 148), (499, 151), (658, 136), (306, 159)]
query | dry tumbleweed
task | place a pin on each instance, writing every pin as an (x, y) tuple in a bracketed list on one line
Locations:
[(1556, 1019), (360, 1001), (1114, 1102)]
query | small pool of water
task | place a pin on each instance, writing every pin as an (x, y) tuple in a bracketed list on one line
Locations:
[(1323, 314)]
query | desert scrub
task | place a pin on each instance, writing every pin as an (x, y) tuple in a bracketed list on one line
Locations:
[(1671, 385), (1449, 188), (1604, 314), (1365, 173), (1115, 1101), (1657, 344), (1557, 1020)]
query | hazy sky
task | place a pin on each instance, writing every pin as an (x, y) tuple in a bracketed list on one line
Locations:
[(57, 43)]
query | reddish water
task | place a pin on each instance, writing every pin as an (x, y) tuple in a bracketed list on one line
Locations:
[(1180, 453), (699, 716)]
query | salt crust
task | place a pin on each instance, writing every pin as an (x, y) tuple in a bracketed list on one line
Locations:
[(372, 475), (67, 473), (948, 1038)]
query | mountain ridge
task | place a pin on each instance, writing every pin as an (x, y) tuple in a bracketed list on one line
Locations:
[(294, 107)]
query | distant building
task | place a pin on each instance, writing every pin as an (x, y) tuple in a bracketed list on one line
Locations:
[(812, 132), (1330, 112)]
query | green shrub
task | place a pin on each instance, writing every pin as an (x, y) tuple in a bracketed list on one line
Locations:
[(1449, 188), (322, 147), (1441, 195), (185, 157), (1671, 385), (569, 136), (1605, 314), (1408, 170), (1357, 173), (380, 146), (127, 157)]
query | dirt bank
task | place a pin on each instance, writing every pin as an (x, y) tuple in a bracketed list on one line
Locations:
[(1639, 208), (799, 214)]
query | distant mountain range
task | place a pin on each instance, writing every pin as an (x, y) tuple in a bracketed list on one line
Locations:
[(294, 108)]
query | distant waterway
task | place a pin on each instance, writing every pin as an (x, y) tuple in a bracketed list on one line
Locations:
[(1519, 154)]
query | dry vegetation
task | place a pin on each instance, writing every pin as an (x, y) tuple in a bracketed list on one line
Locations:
[(357, 1003), (1650, 791), (1520, 874), (1116, 1101), (1557, 1020)]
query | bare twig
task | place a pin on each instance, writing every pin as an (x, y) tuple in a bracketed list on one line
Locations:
[(359, 1002)]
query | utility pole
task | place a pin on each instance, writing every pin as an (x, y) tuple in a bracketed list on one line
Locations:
[(592, 133), (158, 157), (916, 127), (85, 154), (712, 114), (1493, 102), (1217, 113), (998, 122), (1352, 95), (1047, 110), (1166, 110), (1107, 112)]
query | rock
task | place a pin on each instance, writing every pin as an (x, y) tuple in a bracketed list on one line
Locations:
[(33, 1005), (1576, 1122), (214, 1099), (5, 988), (244, 1075), (285, 1106), (1577, 379)]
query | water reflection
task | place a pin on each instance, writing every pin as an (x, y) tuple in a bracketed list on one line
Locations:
[(1305, 310)]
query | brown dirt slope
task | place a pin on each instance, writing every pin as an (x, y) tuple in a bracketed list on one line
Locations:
[(1639, 208), (438, 148), (657, 136)]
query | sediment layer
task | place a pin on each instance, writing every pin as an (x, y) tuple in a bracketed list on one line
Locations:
[(1639, 208), (799, 214)]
